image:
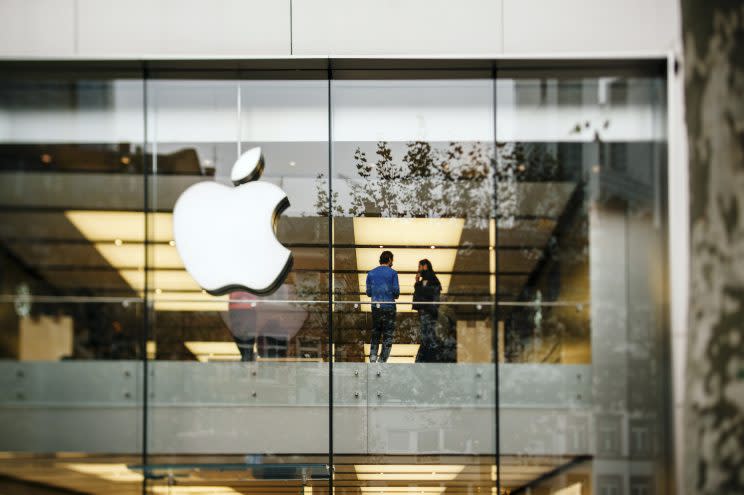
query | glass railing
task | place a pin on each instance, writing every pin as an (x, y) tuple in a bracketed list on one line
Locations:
[(283, 406)]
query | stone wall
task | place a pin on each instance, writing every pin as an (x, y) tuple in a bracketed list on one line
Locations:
[(713, 32)]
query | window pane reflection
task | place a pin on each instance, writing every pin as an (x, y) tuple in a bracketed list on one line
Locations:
[(70, 149), (412, 170), (234, 371), (587, 158), (536, 202)]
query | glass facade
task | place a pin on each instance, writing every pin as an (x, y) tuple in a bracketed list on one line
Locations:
[(523, 208)]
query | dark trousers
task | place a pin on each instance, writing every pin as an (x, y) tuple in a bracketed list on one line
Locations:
[(243, 328), (428, 348), (268, 347), (245, 346), (383, 326)]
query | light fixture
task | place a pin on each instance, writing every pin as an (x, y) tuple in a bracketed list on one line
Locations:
[(125, 160), (492, 259), (574, 489), (105, 225), (110, 472), (423, 232), (407, 472), (46, 158), (189, 301), (403, 489), (292, 164), (132, 255), (408, 231), (170, 280), (213, 351), (151, 348), (399, 353), (206, 351), (118, 236), (193, 490)]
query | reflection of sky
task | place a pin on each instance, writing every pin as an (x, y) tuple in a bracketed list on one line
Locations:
[(296, 111), (460, 110), (289, 120)]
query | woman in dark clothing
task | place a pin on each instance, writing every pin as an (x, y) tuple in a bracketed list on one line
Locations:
[(426, 290)]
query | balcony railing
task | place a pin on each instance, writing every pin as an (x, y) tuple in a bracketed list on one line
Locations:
[(97, 406)]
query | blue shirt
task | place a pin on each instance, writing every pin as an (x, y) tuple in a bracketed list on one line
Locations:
[(382, 285)]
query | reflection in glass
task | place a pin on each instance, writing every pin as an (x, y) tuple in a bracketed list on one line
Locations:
[(412, 162), (529, 266), (586, 161), (70, 152), (240, 373)]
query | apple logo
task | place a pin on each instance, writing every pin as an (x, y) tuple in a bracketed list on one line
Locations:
[(226, 236)]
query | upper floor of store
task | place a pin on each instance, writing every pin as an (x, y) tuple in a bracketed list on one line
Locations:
[(109, 29)]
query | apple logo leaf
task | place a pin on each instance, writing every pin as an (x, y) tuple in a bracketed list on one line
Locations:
[(226, 236), (248, 167)]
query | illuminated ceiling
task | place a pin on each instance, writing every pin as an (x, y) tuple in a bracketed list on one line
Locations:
[(433, 475), (102, 251), (410, 240), (118, 237)]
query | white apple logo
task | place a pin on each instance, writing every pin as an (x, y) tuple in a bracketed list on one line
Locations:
[(226, 236)]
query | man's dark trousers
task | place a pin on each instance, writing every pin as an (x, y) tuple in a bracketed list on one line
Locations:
[(383, 326)]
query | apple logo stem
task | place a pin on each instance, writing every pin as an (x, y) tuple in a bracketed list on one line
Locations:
[(226, 236)]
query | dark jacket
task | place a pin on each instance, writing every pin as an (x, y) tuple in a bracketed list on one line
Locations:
[(428, 292)]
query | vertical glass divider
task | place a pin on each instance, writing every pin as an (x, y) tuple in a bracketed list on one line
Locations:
[(145, 296), (330, 283), (239, 116), (495, 310)]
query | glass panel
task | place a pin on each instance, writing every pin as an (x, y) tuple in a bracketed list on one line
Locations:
[(580, 197), (237, 372), (413, 373), (546, 245), (233, 474), (71, 157)]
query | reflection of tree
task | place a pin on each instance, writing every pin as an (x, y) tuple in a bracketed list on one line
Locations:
[(596, 130), (426, 182), (456, 181), (474, 181)]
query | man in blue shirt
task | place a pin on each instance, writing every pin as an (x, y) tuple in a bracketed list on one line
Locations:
[(383, 288)]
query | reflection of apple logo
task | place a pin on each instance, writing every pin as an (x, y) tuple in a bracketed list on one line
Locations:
[(226, 236)]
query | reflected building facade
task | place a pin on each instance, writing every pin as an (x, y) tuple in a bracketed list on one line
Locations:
[(539, 197)]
